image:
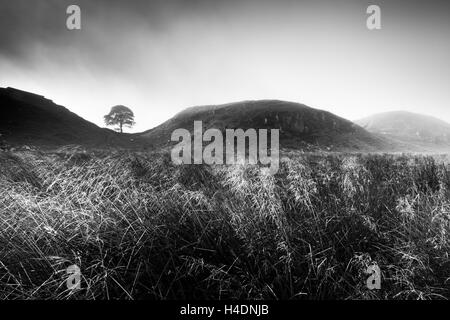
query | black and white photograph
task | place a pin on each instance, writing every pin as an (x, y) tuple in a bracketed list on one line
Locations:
[(247, 151)]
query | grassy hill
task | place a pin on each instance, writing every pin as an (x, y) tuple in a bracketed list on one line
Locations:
[(300, 126), (31, 119)]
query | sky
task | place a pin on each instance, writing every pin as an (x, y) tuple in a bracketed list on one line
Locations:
[(159, 57)]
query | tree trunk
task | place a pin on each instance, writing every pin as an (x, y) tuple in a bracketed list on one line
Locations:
[(121, 124)]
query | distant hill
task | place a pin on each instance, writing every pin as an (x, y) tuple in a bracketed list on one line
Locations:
[(300, 126), (425, 132), (31, 119)]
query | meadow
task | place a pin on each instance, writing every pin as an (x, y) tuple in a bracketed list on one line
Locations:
[(139, 227)]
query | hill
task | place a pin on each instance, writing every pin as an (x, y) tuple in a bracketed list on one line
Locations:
[(300, 126), (425, 132), (31, 119)]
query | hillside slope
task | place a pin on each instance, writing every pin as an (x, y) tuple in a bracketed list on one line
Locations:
[(31, 119), (424, 131), (300, 126)]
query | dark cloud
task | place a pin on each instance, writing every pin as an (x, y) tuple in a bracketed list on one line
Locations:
[(24, 23)]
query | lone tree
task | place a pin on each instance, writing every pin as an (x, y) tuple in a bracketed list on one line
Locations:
[(121, 116)]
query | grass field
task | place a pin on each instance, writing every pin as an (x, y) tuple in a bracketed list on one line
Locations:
[(140, 228)]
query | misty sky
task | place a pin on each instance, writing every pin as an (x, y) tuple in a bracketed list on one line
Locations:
[(159, 57)]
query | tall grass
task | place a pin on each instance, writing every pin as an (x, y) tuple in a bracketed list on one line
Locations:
[(140, 228)]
